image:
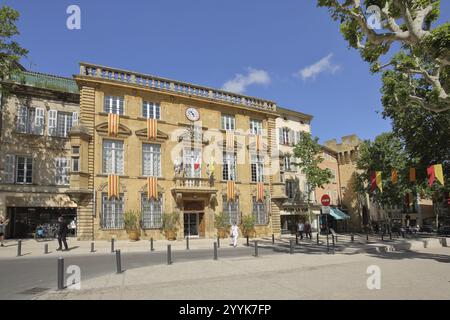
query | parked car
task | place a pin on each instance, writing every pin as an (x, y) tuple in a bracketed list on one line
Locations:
[(445, 230), (427, 228)]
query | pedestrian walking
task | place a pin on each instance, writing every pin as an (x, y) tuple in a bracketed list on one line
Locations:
[(301, 229), (3, 224), (234, 234), (308, 230), (62, 234)]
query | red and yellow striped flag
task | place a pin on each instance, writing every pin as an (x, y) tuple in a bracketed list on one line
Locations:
[(260, 191), (435, 172), (229, 140), (394, 176), (258, 141), (412, 174), (113, 124), (152, 188), (230, 190), (113, 186), (152, 129)]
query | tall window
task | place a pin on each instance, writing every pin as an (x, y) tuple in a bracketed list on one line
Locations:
[(113, 105), (257, 167), (228, 122), (112, 212), (192, 160), (285, 136), (287, 163), (290, 189), (24, 173), (30, 120), (151, 110), (255, 126), (229, 166), (75, 159), (62, 171), (151, 212), (113, 157), (60, 123), (231, 209), (260, 211), (151, 160)]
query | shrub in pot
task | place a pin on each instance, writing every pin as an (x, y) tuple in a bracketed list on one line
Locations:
[(132, 224), (222, 224), (248, 225), (171, 223)]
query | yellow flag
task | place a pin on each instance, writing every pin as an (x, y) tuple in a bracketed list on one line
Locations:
[(378, 179), (439, 173)]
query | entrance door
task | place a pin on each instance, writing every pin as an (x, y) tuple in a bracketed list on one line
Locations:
[(191, 224)]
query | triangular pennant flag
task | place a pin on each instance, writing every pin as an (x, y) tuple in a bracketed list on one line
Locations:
[(152, 129), (260, 191), (229, 140), (439, 173), (373, 181), (113, 186), (431, 175), (113, 124), (412, 174), (152, 188), (379, 181), (394, 176), (230, 190)]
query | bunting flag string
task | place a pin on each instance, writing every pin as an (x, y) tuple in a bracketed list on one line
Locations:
[(230, 190), (152, 188), (260, 191), (113, 124), (152, 129), (113, 186)]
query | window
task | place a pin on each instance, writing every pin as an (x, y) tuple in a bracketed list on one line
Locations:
[(30, 120), (10, 164), (284, 136), (257, 167), (255, 126), (290, 189), (112, 212), (62, 171), (113, 157), (151, 212), (192, 160), (60, 123), (24, 171), (151, 110), (229, 166), (151, 160), (228, 122), (76, 159), (231, 210), (260, 211), (287, 163), (114, 105)]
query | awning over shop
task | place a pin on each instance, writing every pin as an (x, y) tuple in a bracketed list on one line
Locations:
[(338, 214)]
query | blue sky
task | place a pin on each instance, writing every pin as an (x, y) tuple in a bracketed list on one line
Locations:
[(254, 45)]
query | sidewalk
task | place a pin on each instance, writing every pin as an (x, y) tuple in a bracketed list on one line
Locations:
[(32, 248)]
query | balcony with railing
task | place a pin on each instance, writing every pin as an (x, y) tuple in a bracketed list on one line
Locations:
[(194, 185), (173, 86)]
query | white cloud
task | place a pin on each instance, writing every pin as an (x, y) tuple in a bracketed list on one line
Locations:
[(240, 82), (324, 65)]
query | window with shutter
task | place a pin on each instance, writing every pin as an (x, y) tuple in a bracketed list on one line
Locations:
[(9, 168), (22, 115), (74, 118), (39, 121), (52, 122)]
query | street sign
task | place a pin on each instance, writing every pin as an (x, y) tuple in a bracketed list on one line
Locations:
[(325, 210), (325, 200)]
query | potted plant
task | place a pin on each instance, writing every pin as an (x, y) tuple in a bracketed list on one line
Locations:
[(248, 225), (132, 224), (222, 224), (170, 225)]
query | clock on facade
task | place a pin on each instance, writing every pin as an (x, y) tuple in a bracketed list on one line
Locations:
[(192, 114)]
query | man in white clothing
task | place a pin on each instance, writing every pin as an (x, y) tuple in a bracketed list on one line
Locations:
[(234, 233)]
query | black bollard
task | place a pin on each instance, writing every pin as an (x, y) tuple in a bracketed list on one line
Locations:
[(333, 241), (151, 245), (187, 243), (328, 244), (112, 245), (169, 254), (273, 238), (218, 242), (256, 248), (248, 244), (367, 237), (382, 236), (92, 247), (317, 237), (390, 235), (296, 239), (19, 248), (352, 238), (46, 248), (291, 246), (60, 273), (215, 250), (118, 262)]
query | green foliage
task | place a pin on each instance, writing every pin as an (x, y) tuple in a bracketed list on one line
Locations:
[(10, 50), (132, 220), (222, 222), (171, 221), (248, 225)]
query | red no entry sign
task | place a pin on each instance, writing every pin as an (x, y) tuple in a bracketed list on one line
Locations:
[(325, 200)]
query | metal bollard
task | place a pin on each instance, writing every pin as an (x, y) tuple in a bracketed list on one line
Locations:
[(215, 250), (317, 236), (352, 238), (273, 238), (248, 244), (382, 236), (60, 273), (291, 246), (19, 247), (367, 237), (218, 242), (112, 245), (390, 235), (92, 247), (333, 241), (328, 244), (187, 243), (118, 262), (151, 245), (256, 248), (169, 254), (296, 239), (46, 248)]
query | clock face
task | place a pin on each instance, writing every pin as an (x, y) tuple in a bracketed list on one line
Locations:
[(192, 114)]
